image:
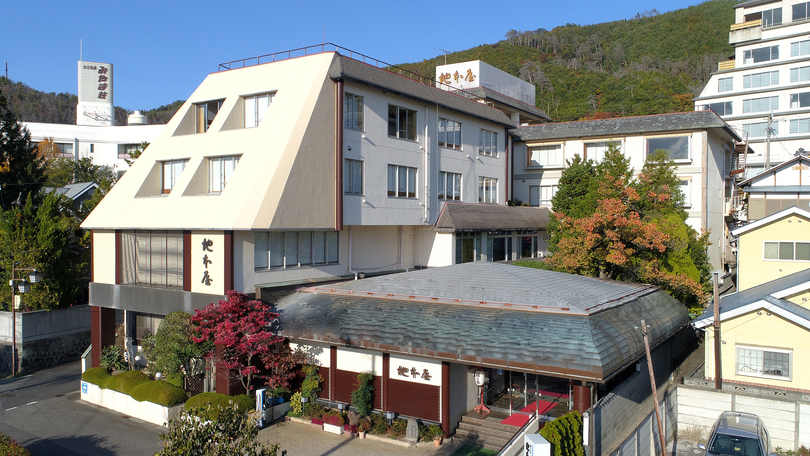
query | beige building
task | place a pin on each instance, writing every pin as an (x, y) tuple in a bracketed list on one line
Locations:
[(778, 188)]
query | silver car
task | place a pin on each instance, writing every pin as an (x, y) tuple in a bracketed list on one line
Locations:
[(738, 434)]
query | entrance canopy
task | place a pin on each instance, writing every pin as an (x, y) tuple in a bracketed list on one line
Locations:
[(490, 314)]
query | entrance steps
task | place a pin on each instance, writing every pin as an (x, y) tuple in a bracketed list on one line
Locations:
[(486, 432)]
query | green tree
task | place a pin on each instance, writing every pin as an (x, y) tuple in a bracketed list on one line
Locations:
[(21, 169), (45, 237), (575, 197), (172, 347), (231, 434), (136, 153)]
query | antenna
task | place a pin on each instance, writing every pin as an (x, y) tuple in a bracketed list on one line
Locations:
[(445, 55), (80, 50), (323, 41)]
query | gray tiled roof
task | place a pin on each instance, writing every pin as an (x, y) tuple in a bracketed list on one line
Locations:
[(345, 68), (779, 189), (758, 293), (478, 217), (490, 94), (591, 346), (618, 126)]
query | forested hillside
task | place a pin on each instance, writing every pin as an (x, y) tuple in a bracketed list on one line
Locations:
[(653, 63)]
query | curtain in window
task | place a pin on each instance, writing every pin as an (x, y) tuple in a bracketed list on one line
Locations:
[(276, 248), (261, 247)]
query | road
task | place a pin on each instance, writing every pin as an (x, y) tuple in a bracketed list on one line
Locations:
[(43, 413)]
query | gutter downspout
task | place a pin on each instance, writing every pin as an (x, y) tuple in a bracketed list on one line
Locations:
[(339, 159), (509, 169), (427, 173)]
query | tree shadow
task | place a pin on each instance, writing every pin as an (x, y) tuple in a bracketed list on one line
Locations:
[(72, 445)]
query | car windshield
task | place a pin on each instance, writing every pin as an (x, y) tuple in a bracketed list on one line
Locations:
[(735, 446)]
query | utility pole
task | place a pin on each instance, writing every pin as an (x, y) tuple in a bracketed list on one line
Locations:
[(445, 55), (661, 435), (718, 372), (768, 142)]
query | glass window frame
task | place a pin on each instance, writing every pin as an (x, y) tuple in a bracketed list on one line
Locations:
[(650, 149), (449, 186), (402, 123), (350, 186), (205, 113), (323, 248), (219, 173), (173, 176), (252, 104), (353, 111), (488, 143), (397, 188), (449, 127), (760, 355), (487, 190), (778, 250)]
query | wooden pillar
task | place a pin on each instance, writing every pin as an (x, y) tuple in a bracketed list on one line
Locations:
[(385, 389), (446, 399), (229, 285), (102, 331), (332, 371), (226, 382), (186, 260), (582, 397)]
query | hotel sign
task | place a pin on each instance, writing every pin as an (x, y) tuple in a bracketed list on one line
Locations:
[(447, 78), (415, 370)]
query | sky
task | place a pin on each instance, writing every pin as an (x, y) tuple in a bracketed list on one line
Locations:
[(162, 50)]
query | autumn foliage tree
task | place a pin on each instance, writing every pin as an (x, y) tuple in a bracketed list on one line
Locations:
[(637, 231), (243, 328)]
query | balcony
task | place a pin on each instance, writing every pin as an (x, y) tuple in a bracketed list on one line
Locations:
[(745, 31), (726, 65)]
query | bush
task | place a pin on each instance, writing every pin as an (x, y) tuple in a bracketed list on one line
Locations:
[(378, 424), (125, 381), (176, 379), (312, 382), (333, 418), (315, 410), (11, 448), (112, 358), (211, 404), (296, 407), (159, 392), (363, 396), (399, 428), (565, 435), (97, 376)]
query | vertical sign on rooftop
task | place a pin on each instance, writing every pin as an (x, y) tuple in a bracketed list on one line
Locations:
[(95, 94)]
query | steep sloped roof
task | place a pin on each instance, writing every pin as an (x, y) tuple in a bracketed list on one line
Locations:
[(490, 314), (471, 217)]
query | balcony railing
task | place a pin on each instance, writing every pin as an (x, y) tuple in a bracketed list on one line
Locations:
[(747, 24), (726, 65)]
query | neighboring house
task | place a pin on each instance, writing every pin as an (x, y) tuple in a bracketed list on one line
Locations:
[(78, 192), (560, 341), (778, 188), (297, 171), (765, 87), (772, 247), (765, 332), (700, 143)]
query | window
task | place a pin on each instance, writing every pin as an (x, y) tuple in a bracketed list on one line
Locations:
[(763, 104), (206, 113), (596, 151), (762, 362), (759, 129), (171, 173), (487, 143), (449, 186), (801, 74), (401, 123), (541, 195), (768, 78), (219, 172), (798, 126), (772, 17), (468, 247), (722, 108), (677, 146), (725, 84), (800, 48), (686, 191), (353, 111), (764, 54), (152, 258), (65, 150), (353, 177), (126, 150), (787, 251), (401, 181), (449, 134), (800, 11), (289, 249), (545, 156), (800, 100), (487, 190), (255, 107)]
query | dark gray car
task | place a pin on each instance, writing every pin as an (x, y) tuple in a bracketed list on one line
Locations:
[(738, 434)]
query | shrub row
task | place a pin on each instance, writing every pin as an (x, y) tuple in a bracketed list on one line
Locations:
[(9, 447), (208, 405), (137, 385)]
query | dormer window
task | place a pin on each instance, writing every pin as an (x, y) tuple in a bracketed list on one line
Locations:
[(206, 113), (255, 107), (171, 173), (219, 172)]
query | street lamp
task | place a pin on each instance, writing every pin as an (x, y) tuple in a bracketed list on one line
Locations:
[(22, 286)]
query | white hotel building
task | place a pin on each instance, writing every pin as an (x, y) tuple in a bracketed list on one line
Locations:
[(768, 76)]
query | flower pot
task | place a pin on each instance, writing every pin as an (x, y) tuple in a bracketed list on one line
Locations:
[(361, 434), (437, 441)]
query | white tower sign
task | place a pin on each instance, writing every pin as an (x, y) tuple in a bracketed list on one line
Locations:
[(95, 94)]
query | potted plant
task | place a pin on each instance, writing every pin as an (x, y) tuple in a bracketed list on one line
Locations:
[(436, 431), (317, 423), (333, 422), (365, 426)]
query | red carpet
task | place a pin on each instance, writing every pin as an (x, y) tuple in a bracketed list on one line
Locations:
[(519, 419)]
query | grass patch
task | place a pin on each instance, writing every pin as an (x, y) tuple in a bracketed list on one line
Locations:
[(467, 450)]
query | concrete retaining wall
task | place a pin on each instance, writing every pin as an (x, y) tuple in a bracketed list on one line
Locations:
[(122, 403)]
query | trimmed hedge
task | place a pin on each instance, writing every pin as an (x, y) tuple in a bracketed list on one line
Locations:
[(9, 447), (565, 435), (125, 381), (176, 379), (158, 392), (97, 376), (210, 404)]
